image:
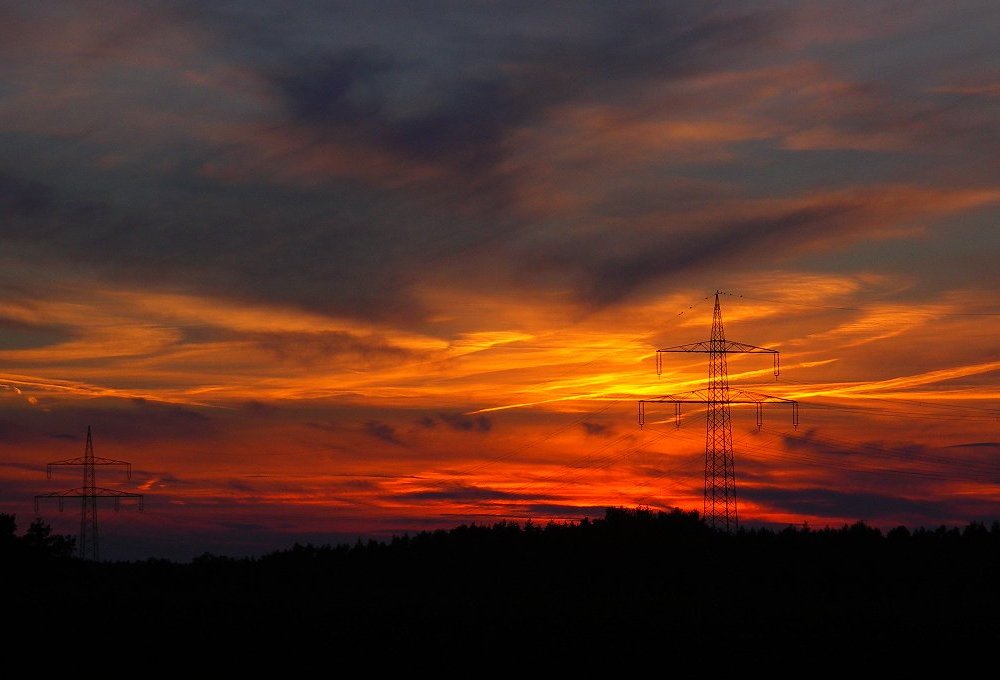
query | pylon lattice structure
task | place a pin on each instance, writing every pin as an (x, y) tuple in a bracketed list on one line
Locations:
[(88, 494), (719, 505)]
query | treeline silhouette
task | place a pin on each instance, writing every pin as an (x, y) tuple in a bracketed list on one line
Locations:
[(632, 578), (37, 544)]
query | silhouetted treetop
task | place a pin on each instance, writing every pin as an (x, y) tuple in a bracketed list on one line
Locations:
[(37, 542)]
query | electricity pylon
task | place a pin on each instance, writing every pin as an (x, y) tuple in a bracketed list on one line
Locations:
[(89, 493), (719, 505)]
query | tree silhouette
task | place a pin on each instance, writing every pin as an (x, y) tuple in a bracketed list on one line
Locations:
[(632, 579), (37, 541)]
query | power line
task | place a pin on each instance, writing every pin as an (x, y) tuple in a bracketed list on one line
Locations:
[(719, 505), (88, 495)]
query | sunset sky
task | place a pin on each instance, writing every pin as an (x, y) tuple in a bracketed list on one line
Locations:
[(353, 269)]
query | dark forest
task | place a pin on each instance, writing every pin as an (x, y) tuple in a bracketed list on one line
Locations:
[(632, 577)]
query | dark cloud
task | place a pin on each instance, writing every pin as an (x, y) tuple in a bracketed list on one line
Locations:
[(383, 431), (533, 512), (170, 413), (811, 441), (240, 485), (119, 421), (613, 273), (459, 492), (808, 441), (308, 348), (21, 466), (375, 86), (464, 423), (465, 116), (856, 504), (258, 408), (33, 210), (282, 253), (244, 526), (328, 426), (596, 429), (342, 90), (459, 422), (21, 198), (359, 485), (991, 445), (11, 431), (433, 108)]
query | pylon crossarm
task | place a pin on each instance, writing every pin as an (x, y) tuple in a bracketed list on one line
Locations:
[(735, 397), (691, 395), (97, 461), (743, 397), (84, 461), (719, 347), (60, 496), (728, 346), (64, 494), (96, 491), (696, 397), (114, 493)]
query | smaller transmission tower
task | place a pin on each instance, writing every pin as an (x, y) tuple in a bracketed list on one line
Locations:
[(719, 506), (88, 494)]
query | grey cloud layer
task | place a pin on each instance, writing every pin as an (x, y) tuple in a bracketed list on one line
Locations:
[(331, 159)]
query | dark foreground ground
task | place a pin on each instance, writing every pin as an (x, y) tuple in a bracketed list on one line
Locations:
[(634, 580)]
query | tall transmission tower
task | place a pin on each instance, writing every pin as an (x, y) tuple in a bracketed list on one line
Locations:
[(719, 505), (88, 494)]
